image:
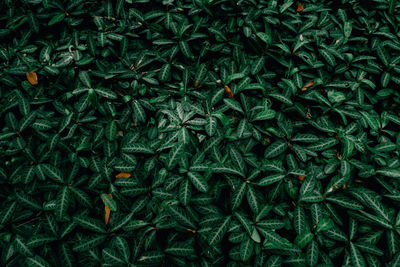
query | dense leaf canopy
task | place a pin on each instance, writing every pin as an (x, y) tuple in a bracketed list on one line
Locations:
[(199, 133)]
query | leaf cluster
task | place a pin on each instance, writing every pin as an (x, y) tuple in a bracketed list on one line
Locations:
[(199, 133)]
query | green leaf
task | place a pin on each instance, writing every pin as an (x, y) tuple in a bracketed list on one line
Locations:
[(234, 76), (211, 125), (323, 144), (376, 205), (164, 73), (347, 29), (264, 115), (265, 37), (299, 220), (246, 249), (26, 121), (139, 111), (179, 249), (20, 246), (109, 202), (151, 257), (107, 93), (284, 99), (271, 224), (88, 242), (275, 149), (324, 224), (111, 130), (229, 170), (198, 181), (121, 221), (181, 216), (111, 257), (237, 196), (345, 202), (312, 253), (201, 73), (137, 148), (85, 79), (4, 136), (328, 57), (39, 240), (305, 138), (52, 172), (303, 239), (246, 223), (175, 154), (356, 257), (257, 65), (252, 199), (372, 122), (89, 223), (28, 201), (271, 179), (218, 232), (371, 249), (233, 104), (274, 261), (185, 192), (37, 261), (274, 239), (57, 18), (185, 49), (62, 202), (389, 172), (7, 212)]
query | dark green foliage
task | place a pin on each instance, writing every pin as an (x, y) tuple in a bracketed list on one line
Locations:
[(249, 133)]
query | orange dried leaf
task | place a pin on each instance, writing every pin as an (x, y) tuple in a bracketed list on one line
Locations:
[(299, 8), (32, 78), (107, 216), (123, 175), (108, 211), (309, 84), (228, 91)]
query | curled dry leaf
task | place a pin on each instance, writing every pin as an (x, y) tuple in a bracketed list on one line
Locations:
[(228, 91), (309, 84), (299, 8), (123, 175), (32, 78), (108, 211)]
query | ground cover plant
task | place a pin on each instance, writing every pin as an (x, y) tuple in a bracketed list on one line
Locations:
[(199, 133)]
